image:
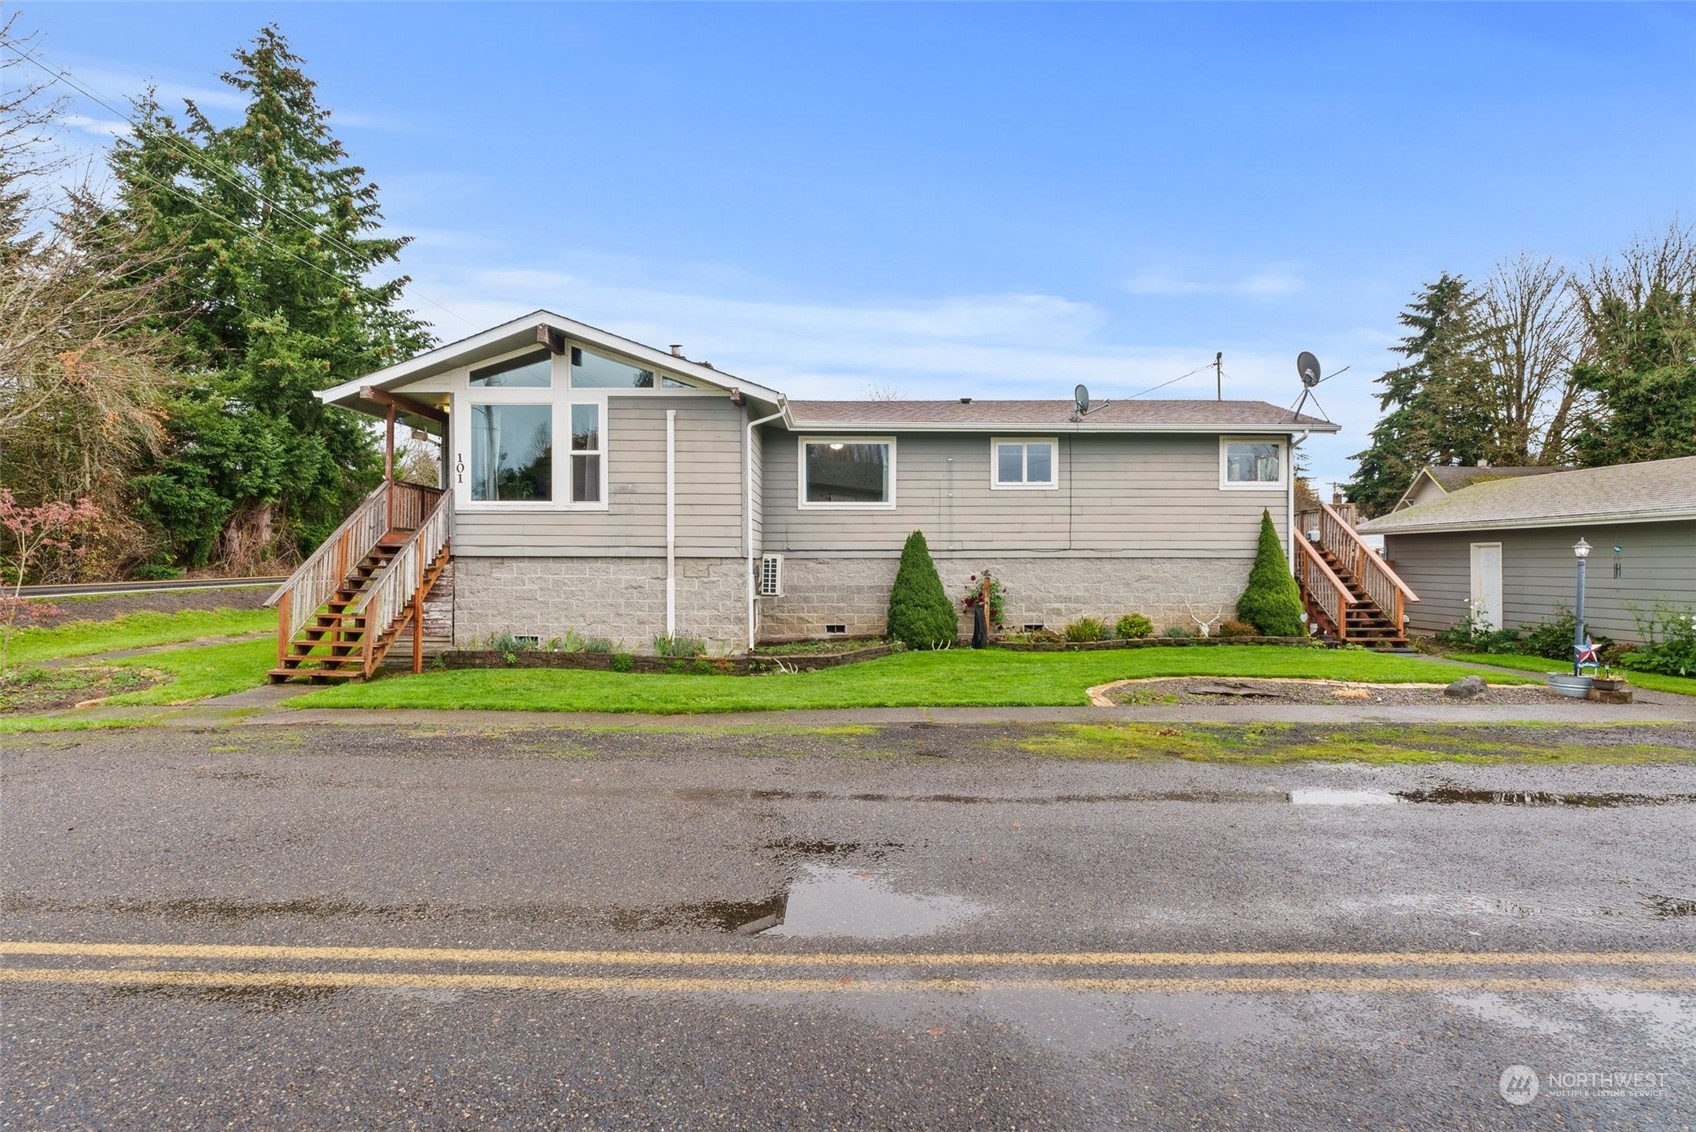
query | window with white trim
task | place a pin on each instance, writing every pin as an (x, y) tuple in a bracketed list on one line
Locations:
[(585, 452), (1023, 463), (1252, 463), (590, 370), (527, 371), (847, 471), (512, 453)]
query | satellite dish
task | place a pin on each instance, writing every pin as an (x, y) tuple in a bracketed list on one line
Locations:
[(1308, 366), (1081, 395)]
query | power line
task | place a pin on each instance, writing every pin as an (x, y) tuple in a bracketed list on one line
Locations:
[(192, 154), (1174, 381)]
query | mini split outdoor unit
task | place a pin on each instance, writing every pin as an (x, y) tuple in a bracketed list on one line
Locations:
[(771, 575)]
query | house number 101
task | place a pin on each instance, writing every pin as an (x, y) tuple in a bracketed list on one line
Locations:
[(459, 466)]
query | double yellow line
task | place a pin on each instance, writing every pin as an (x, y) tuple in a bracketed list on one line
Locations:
[(674, 972)]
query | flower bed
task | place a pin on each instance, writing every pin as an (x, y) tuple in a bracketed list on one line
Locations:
[(675, 665), (1144, 643)]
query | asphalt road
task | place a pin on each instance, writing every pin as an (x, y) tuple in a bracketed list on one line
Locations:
[(911, 927)]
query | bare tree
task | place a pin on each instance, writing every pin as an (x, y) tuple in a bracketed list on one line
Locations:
[(882, 393), (1534, 334)]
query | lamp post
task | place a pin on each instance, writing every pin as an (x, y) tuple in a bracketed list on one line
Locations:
[(1581, 550)]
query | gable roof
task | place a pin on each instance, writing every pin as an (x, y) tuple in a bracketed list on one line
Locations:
[(1449, 477), (521, 332), (1652, 491), (1026, 416)]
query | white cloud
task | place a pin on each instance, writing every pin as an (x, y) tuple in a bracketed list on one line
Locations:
[(100, 127)]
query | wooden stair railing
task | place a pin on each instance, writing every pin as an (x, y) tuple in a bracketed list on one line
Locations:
[(1374, 575), (325, 628), (395, 596), (1325, 592)]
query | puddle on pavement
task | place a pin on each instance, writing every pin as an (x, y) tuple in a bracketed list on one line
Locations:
[(1319, 797), (829, 900), (1497, 1009), (1456, 796)]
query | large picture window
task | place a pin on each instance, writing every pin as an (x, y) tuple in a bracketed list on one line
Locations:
[(512, 453), (1251, 463), (848, 471), (1023, 463)]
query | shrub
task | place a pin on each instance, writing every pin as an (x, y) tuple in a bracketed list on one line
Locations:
[(1086, 629), (1669, 643), (920, 614), (702, 668), (623, 662), (1272, 601), (507, 644), (156, 572), (679, 646), (1238, 629), (1474, 633), (1177, 631), (571, 642), (1553, 638), (1133, 625), (599, 645)]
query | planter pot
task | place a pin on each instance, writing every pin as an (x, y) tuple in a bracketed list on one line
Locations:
[(1576, 687), (1607, 683)]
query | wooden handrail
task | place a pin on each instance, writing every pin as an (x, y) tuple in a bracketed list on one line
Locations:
[(393, 589), (325, 569), (1323, 587), (1353, 536), (1369, 569)]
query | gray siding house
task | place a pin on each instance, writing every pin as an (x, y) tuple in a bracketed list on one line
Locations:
[(611, 488), (1503, 546)]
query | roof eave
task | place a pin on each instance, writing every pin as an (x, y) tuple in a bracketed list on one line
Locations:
[(1282, 429), (1654, 516)]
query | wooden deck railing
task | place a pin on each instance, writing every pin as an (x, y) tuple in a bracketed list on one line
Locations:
[(1322, 586), (399, 583), (1369, 569), (324, 571)]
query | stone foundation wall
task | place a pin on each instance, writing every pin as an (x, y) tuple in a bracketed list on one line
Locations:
[(622, 599), (1046, 591)]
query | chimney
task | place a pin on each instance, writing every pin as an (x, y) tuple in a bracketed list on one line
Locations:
[(965, 400), (677, 349)]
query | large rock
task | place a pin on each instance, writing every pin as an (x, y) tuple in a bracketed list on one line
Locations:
[(1466, 687)]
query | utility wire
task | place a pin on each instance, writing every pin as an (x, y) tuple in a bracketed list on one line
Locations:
[(1174, 381), (191, 154)]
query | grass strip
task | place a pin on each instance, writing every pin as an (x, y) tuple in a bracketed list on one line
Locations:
[(136, 631), (951, 678)]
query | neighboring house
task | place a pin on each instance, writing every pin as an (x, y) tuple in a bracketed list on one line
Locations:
[(613, 489), (1434, 481), (1503, 546)]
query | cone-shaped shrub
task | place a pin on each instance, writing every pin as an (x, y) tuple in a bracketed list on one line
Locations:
[(921, 616), (1272, 602)]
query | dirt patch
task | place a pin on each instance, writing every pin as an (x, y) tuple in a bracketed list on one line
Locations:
[(1216, 690), (48, 612), (53, 689)]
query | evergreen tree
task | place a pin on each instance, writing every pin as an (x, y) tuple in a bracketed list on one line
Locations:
[(1645, 376), (1435, 408), (274, 231), (921, 616), (1272, 601)]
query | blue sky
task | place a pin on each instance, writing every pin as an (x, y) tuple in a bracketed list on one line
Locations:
[(988, 200)]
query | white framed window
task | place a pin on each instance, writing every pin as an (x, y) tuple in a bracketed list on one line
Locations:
[(512, 453), (1023, 463), (523, 442), (533, 369), (846, 471), (1253, 463), (590, 370), (588, 469)]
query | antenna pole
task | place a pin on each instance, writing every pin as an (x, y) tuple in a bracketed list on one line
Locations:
[(1219, 375)]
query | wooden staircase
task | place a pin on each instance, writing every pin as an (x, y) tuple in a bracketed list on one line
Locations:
[(342, 610), (1349, 590)]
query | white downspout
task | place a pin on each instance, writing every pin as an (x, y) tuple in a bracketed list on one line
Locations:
[(1290, 491), (748, 469), (671, 522)]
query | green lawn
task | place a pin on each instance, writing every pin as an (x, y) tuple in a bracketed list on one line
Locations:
[(954, 678), (196, 673), (136, 631), (1683, 685)]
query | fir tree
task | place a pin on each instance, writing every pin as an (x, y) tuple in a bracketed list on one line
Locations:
[(921, 616), (276, 255), (1435, 408), (1272, 601)]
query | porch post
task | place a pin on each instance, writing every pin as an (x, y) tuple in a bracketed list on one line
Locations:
[(389, 471)]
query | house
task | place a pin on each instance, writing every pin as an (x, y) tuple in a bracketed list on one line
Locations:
[(1504, 546), (597, 485), (1434, 481)]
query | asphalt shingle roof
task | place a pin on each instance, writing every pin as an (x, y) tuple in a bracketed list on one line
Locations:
[(1655, 489), (990, 415), (1454, 478)]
